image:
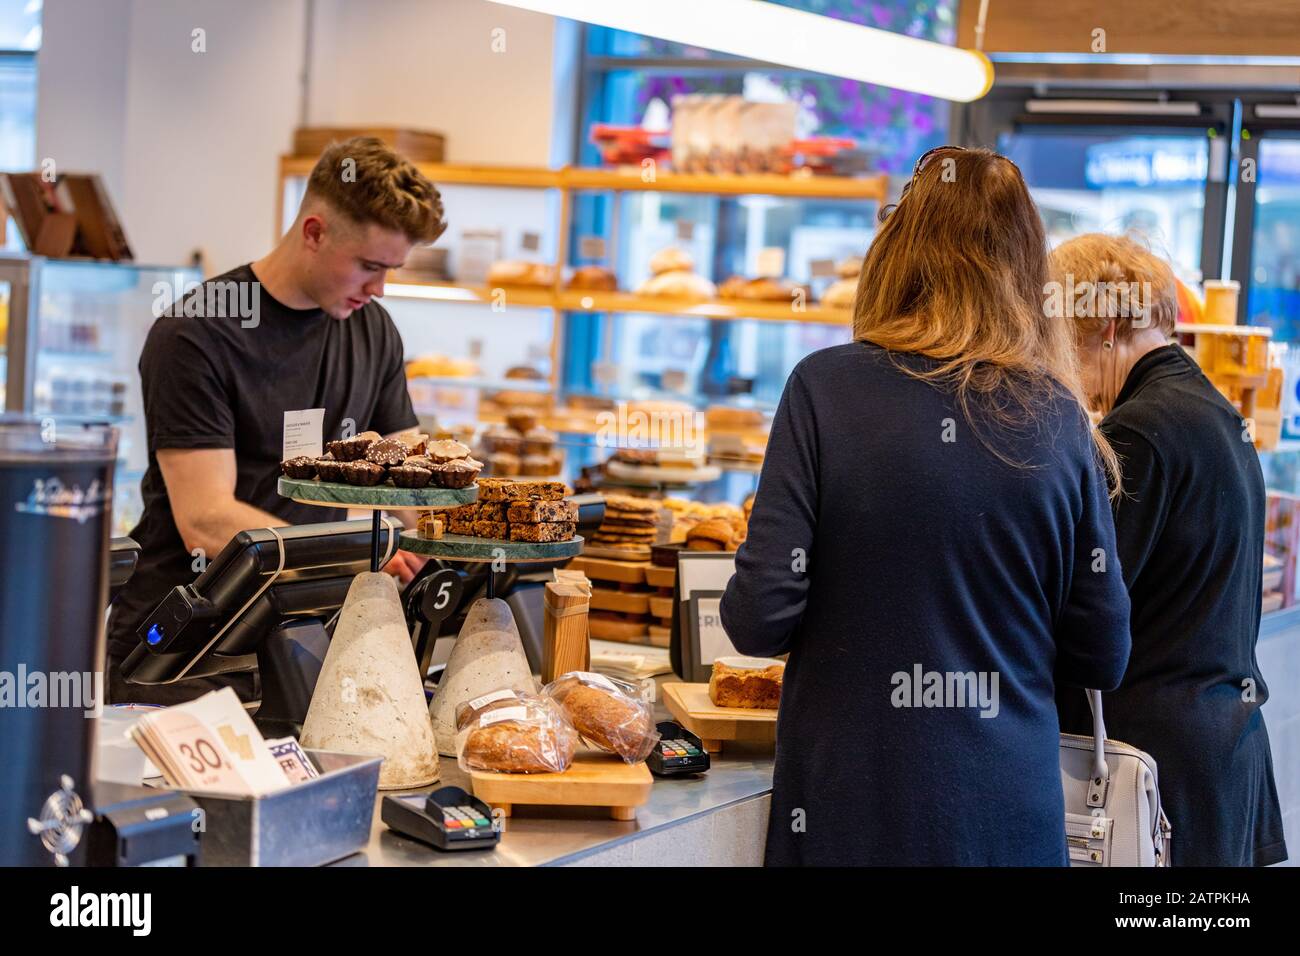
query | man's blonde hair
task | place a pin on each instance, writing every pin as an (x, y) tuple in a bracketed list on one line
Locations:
[(369, 183)]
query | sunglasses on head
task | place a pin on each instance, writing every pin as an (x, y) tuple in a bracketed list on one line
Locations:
[(887, 211)]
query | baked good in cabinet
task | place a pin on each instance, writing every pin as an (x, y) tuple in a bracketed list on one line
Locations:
[(749, 682), (515, 272), (521, 419), (678, 285), (504, 464), (608, 713), (712, 534), (593, 278), (671, 259)]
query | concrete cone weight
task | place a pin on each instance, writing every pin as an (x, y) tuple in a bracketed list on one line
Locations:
[(370, 698), (488, 655)]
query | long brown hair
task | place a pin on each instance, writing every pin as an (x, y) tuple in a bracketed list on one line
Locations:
[(957, 273)]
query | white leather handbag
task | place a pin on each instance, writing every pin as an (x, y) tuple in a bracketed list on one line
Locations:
[(1112, 800)]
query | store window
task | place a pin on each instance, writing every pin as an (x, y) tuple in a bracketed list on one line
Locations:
[(1274, 289), (20, 38), (1148, 185), (630, 77)]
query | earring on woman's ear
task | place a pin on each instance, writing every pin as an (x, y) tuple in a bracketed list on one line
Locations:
[(1108, 345)]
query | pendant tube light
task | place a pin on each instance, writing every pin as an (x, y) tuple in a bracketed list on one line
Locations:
[(758, 30)]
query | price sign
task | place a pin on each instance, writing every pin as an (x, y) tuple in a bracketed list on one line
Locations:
[(591, 247), (685, 230), (532, 242)]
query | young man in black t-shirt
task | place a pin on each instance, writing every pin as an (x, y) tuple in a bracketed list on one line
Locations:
[(297, 329)]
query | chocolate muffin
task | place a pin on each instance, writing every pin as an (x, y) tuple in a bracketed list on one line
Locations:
[(354, 448), (327, 469), (301, 467), (537, 465), (410, 476), (362, 473), (455, 474), (504, 464), (419, 461), (386, 452), (415, 444), (503, 440), (447, 450)]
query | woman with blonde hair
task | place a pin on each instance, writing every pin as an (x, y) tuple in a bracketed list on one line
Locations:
[(1190, 530), (931, 544)]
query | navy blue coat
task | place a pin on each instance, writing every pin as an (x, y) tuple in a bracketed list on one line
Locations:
[(903, 565)]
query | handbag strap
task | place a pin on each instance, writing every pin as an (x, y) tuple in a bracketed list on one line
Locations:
[(1100, 773)]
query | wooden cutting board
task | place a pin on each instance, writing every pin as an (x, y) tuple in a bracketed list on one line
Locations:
[(691, 707), (594, 779)]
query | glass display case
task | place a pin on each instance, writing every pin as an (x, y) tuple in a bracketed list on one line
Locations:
[(73, 331)]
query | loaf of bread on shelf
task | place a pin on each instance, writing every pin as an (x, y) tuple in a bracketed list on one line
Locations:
[(594, 278), (612, 715), (841, 294), (518, 273), (677, 285), (750, 682), (671, 259)]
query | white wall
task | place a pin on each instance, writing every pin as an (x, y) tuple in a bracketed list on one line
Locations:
[(189, 142)]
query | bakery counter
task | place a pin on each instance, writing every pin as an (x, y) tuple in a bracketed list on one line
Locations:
[(718, 819)]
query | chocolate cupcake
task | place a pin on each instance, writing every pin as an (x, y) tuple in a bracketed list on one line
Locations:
[(504, 464), (537, 466), (419, 461), (410, 476), (455, 474), (365, 473), (302, 467), (327, 469), (386, 452), (415, 444), (354, 448), (446, 450)]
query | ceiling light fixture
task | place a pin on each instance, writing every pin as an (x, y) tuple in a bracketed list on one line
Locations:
[(758, 30)]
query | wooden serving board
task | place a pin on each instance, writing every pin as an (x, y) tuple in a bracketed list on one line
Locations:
[(661, 607), (593, 780), (658, 576), (690, 705)]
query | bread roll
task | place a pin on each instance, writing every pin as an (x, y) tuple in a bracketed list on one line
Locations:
[(515, 734), (671, 259)]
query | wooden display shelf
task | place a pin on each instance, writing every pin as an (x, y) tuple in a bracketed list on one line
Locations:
[(581, 300), (592, 780), (631, 179), (690, 706), (796, 185), (625, 602)]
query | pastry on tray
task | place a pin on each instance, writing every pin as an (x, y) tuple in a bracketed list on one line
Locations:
[(354, 448), (445, 450), (542, 532), (455, 474), (593, 278), (750, 682), (302, 468), (506, 489), (364, 473), (712, 534), (410, 476), (387, 452)]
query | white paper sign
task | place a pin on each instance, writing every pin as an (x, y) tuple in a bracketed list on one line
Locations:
[(771, 262), (714, 641), (302, 433)]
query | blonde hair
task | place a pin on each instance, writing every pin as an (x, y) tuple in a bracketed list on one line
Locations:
[(1114, 278), (956, 273), (369, 183)]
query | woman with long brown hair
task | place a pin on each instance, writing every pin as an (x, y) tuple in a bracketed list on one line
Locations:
[(932, 546)]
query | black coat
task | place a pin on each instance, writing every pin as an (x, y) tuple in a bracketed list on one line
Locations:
[(1190, 529), (887, 537)]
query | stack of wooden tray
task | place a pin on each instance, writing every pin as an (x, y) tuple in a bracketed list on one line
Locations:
[(631, 601)]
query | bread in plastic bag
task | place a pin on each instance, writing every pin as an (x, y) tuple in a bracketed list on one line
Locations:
[(509, 731), (610, 714)]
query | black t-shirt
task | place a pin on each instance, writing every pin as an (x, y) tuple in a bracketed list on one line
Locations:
[(215, 383)]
